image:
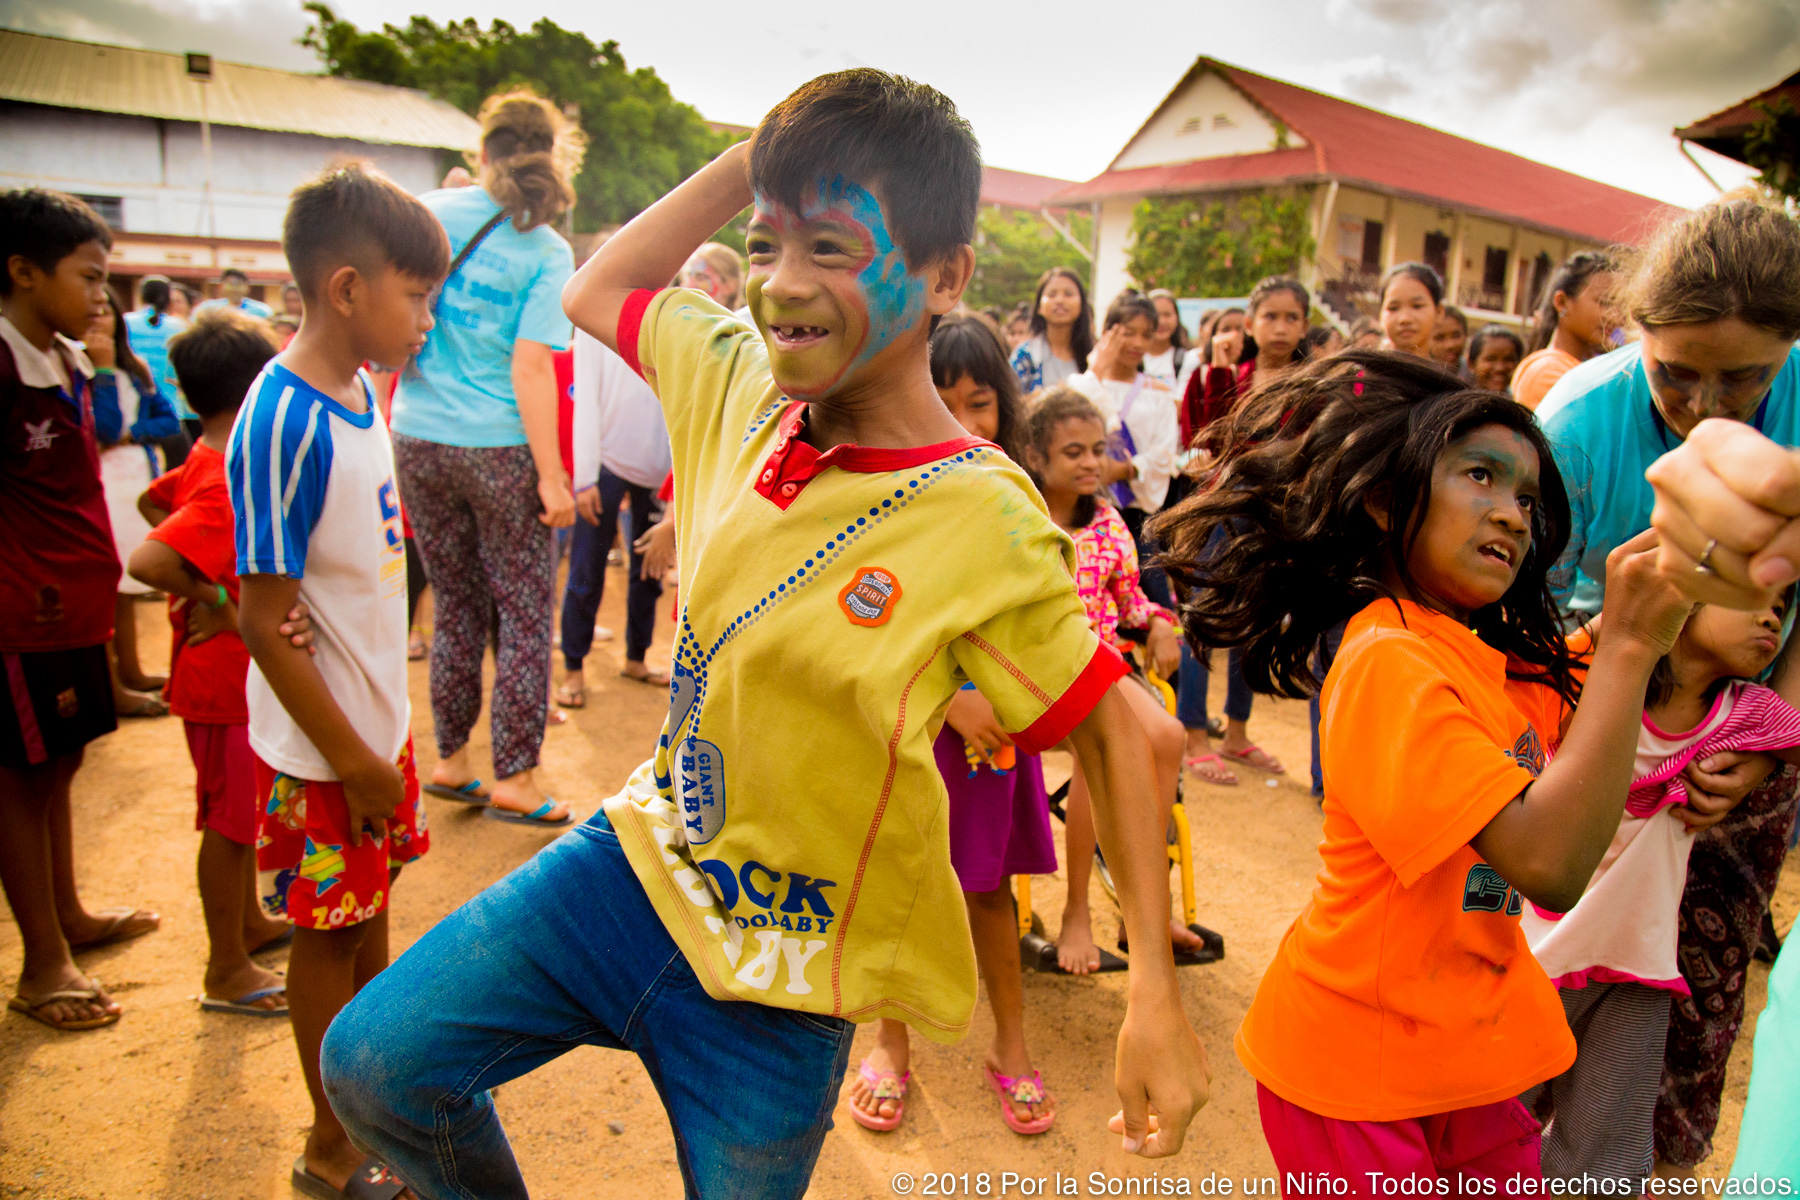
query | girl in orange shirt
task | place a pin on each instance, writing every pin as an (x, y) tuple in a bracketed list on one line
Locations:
[(1404, 1013), (1575, 322)]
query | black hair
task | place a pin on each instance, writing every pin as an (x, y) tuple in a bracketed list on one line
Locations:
[(1209, 332), (1296, 550), (1313, 341), (353, 215), (1456, 314), (45, 227), (154, 291), (123, 354), (1061, 403), (1362, 327), (233, 273), (1571, 279), (219, 356), (1488, 333), (1269, 286), (968, 346), (1127, 307), (1081, 337), (883, 131), (1662, 675), (1179, 338), (1423, 273)]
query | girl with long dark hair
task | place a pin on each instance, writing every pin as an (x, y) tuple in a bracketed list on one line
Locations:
[(1575, 322), (1062, 333)]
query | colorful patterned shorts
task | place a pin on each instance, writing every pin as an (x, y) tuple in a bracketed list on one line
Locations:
[(308, 871)]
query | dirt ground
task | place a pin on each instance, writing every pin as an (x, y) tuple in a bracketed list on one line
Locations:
[(173, 1102)]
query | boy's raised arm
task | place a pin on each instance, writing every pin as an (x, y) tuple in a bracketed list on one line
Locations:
[(654, 246), (1161, 1063)]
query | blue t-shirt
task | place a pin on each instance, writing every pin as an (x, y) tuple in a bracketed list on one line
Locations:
[(458, 391), (1605, 432), (151, 343), (255, 308)]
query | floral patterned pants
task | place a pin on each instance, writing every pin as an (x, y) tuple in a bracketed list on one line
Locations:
[(474, 513), (1731, 877)]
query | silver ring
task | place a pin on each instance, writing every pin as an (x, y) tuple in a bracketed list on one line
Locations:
[(1704, 566)]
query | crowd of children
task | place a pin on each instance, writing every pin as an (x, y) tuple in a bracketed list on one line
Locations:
[(1543, 731)]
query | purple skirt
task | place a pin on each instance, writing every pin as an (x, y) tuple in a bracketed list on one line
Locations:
[(999, 823)]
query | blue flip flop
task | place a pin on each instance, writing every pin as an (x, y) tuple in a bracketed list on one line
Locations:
[(535, 817), (245, 1005), (465, 794)]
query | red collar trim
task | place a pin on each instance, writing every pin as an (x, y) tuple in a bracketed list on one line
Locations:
[(794, 462)]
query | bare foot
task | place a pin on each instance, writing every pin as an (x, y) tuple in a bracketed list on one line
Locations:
[(1075, 949), (127, 703), (145, 683), (241, 981), (58, 1012), (888, 1054), (521, 794), (1183, 937), (87, 931)]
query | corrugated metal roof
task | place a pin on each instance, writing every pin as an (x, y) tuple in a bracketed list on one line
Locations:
[(35, 69)]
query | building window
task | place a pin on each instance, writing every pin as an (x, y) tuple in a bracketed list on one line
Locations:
[(1223, 121), (1371, 246), (1192, 125), (1540, 279), (1437, 253), (1493, 270), (110, 208)]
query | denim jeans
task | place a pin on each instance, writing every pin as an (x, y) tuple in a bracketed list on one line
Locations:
[(1327, 655), (588, 548), (566, 951), (1191, 683)]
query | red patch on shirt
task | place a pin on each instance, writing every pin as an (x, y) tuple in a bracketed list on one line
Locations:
[(869, 599)]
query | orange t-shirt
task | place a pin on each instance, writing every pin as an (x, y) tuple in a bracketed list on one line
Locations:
[(1538, 372), (1405, 988)]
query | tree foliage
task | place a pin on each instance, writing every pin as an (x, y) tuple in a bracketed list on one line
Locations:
[(641, 140), (1772, 146), (1199, 247), (1013, 248)]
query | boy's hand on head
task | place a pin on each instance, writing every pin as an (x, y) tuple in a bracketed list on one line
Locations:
[(371, 794), (1642, 604), (973, 717), (298, 628), (1162, 1066)]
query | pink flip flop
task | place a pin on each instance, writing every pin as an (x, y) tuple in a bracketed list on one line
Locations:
[(1269, 764), (1027, 1089), (1200, 762), (886, 1086)]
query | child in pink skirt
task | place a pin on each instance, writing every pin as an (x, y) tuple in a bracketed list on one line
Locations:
[(999, 815)]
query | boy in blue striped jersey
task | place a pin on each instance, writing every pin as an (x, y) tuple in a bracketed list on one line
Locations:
[(311, 472)]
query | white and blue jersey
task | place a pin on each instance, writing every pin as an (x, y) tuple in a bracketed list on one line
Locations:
[(312, 488)]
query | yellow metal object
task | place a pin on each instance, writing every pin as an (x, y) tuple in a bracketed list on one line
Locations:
[(1022, 890), (1182, 852)]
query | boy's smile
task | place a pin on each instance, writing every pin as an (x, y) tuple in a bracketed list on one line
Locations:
[(828, 286)]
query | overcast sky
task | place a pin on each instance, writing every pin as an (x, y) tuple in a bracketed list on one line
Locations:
[(1057, 87)]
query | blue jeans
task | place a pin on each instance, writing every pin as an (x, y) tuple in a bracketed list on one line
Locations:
[(1334, 637), (1191, 683), (588, 547), (566, 951)]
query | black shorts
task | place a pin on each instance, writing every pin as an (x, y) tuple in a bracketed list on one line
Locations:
[(53, 703)]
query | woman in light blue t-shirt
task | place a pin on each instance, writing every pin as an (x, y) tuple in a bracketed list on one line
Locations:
[(475, 446), (1716, 303)]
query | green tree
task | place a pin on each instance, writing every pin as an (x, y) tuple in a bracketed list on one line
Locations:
[(1197, 247), (1013, 248), (1772, 146), (641, 140)]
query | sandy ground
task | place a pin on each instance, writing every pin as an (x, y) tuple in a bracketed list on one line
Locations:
[(172, 1102)]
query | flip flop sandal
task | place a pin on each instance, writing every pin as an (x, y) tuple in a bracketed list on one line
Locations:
[(245, 1005), (1212, 947), (1243, 757), (113, 933), (151, 706), (1026, 1089), (534, 817), (29, 1005), (570, 697), (1197, 765), (372, 1180), (657, 679), (466, 794), (885, 1085)]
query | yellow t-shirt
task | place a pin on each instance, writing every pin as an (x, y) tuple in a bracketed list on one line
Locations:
[(791, 830)]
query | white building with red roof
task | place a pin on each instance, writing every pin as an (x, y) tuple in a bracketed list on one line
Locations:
[(1382, 190)]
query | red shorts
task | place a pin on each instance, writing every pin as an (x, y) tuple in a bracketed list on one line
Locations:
[(308, 871), (1496, 1141), (225, 788)]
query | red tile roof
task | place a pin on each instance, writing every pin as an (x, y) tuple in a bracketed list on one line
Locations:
[(1359, 145), (1016, 189), (1724, 132)]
